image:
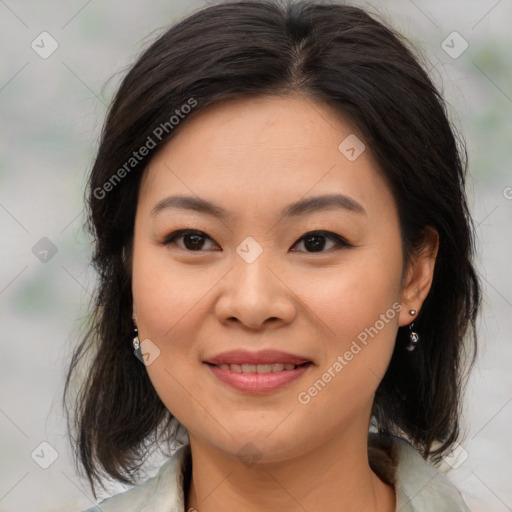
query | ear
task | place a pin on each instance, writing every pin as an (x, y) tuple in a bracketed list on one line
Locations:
[(134, 313), (419, 275)]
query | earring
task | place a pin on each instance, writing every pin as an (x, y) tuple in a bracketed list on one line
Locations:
[(136, 345), (413, 336)]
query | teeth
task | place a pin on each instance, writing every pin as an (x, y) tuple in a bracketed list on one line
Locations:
[(248, 368), (257, 368), (235, 368)]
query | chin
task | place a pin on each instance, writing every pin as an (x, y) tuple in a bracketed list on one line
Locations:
[(260, 447)]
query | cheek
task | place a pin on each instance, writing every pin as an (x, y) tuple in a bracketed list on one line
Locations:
[(171, 300), (166, 293), (358, 304), (353, 295)]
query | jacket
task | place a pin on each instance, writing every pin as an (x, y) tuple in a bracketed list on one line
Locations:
[(419, 487)]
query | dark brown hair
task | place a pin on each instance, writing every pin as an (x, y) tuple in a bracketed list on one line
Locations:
[(327, 52)]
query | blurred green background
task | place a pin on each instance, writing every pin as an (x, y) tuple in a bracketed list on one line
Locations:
[(52, 110)]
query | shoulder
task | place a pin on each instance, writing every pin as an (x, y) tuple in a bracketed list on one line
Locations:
[(418, 485), (160, 493)]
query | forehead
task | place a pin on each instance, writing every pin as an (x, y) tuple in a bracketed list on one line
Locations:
[(271, 148)]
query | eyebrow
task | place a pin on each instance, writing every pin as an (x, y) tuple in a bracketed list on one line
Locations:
[(299, 208)]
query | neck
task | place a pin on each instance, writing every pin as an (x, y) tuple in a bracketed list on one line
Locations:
[(331, 477)]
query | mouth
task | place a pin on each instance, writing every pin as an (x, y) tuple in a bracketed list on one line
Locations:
[(245, 358), (257, 372), (259, 368)]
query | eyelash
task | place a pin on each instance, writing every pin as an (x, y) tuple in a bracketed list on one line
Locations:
[(340, 242)]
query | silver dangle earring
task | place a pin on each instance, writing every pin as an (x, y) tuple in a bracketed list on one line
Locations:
[(136, 345), (413, 336)]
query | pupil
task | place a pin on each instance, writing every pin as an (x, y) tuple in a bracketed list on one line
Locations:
[(196, 241), (317, 245)]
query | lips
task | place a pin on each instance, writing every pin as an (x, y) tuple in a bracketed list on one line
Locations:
[(257, 372), (264, 357), (258, 368)]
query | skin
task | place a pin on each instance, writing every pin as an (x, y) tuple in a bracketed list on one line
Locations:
[(253, 157)]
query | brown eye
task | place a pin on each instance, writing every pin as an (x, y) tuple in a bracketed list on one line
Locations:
[(316, 241), (192, 240)]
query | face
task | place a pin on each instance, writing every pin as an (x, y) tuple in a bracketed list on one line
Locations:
[(309, 293)]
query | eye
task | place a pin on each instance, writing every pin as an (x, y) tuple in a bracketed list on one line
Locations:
[(193, 240), (316, 241)]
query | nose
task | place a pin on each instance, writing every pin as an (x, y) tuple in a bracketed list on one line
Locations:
[(255, 295)]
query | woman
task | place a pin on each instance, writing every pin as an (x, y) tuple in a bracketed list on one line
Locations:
[(285, 256)]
